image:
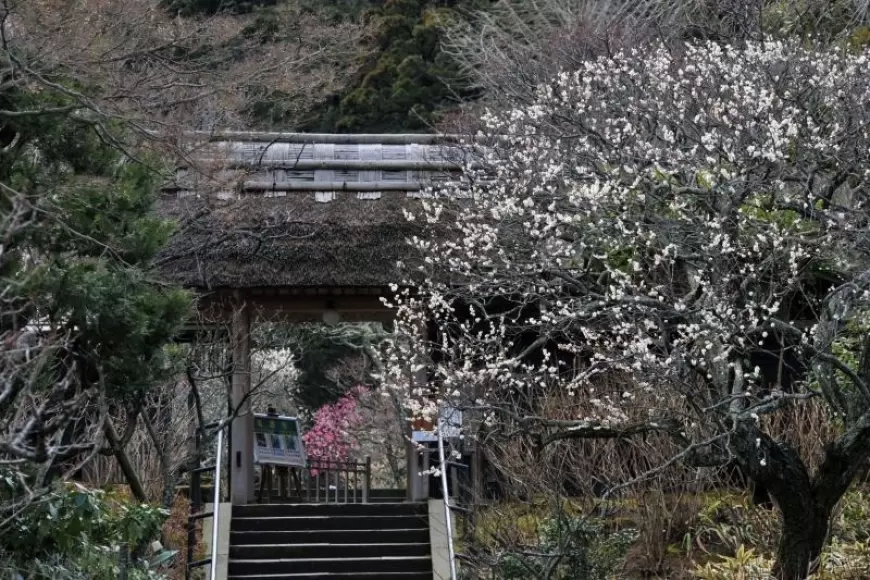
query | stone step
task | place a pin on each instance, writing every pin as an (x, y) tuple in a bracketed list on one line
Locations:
[(330, 565), (315, 523), (388, 491), (409, 535), (277, 498), (312, 551), (308, 541), (337, 576), (395, 494), (331, 509)]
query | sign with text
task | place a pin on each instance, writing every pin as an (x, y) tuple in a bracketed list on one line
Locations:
[(451, 423), (277, 440)]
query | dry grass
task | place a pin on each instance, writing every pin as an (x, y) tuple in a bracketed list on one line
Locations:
[(175, 534)]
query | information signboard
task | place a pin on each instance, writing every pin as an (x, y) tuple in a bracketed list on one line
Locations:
[(277, 440), (451, 423)]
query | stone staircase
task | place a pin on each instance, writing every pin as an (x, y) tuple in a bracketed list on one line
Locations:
[(372, 541)]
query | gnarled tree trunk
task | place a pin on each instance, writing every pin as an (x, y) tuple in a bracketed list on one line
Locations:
[(805, 526), (806, 503)]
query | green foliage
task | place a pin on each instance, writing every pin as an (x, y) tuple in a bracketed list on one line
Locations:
[(410, 82), (321, 351), (738, 540), (727, 522), (827, 19), (79, 289), (850, 525), (80, 260), (838, 561), (860, 38), (92, 243), (569, 549), (405, 86), (76, 533), (207, 7), (746, 564)]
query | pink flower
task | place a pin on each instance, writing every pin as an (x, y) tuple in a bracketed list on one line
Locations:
[(329, 437)]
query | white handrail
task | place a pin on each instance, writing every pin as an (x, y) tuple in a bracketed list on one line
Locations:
[(215, 510), (448, 519)]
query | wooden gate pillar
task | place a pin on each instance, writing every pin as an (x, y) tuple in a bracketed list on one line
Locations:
[(418, 483), (242, 450)]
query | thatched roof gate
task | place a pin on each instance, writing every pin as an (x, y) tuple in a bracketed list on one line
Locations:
[(295, 225), (300, 211)]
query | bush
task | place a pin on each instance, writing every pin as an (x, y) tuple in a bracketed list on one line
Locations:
[(850, 524), (576, 548), (744, 565), (76, 533), (410, 83), (330, 436)]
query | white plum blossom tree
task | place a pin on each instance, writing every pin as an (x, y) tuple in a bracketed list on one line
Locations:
[(665, 217)]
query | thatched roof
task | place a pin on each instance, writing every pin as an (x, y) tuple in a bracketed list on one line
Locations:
[(288, 241), (283, 212)]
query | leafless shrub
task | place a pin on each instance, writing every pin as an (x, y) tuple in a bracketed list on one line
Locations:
[(516, 45), (133, 62)]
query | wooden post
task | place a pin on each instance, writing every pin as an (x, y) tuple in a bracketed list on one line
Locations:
[(426, 466), (411, 467), (242, 456), (415, 462), (476, 480), (283, 482), (367, 480)]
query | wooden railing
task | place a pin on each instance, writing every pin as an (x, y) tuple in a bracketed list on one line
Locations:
[(327, 481)]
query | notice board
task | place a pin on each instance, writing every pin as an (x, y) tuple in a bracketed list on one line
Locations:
[(278, 441)]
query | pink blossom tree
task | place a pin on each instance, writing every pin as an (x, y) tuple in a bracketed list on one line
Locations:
[(331, 436)]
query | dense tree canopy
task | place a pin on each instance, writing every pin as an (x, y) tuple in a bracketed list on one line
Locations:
[(331, 360), (192, 7), (405, 84), (83, 319), (410, 82)]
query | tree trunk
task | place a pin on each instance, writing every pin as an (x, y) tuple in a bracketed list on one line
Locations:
[(805, 516), (804, 533), (806, 504), (805, 530), (124, 461)]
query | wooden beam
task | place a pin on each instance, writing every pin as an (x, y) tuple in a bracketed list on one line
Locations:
[(340, 185), (336, 138), (344, 164), (273, 306)]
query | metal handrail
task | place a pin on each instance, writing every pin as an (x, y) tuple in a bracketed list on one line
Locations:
[(216, 506), (197, 510), (447, 514)]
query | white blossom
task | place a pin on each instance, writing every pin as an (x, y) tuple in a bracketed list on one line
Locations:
[(655, 213)]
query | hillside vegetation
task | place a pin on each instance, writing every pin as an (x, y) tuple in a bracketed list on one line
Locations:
[(402, 81)]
